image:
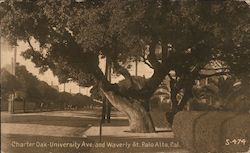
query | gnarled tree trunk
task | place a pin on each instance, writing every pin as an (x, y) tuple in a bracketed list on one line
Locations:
[(139, 119)]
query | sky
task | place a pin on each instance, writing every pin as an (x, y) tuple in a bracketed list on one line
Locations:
[(7, 54)]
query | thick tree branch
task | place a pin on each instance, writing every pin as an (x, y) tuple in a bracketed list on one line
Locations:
[(123, 71), (145, 60), (30, 45), (152, 56), (103, 82)]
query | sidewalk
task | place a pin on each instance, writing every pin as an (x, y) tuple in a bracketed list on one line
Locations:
[(91, 131), (122, 131)]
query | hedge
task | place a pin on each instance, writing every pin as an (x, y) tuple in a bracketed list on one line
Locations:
[(214, 132)]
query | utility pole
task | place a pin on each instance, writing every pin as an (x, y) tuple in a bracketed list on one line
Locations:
[(12, 65), (14, 62), (0, 51), (0, 59), (106, 106), (12, 96), (136, 67), (108, 103)]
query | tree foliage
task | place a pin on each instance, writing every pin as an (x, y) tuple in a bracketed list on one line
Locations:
[(9, 83), (31, 89), (227, 94), (73, 35)]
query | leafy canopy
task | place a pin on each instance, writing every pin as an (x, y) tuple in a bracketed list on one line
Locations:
[(73, 35)]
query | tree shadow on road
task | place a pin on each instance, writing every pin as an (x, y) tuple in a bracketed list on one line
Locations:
[(58, 120)]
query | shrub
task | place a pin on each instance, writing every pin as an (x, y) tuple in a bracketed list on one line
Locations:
[(203, 132)]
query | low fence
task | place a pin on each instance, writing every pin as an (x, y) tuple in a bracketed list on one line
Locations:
[(215, 132), (27, 106), (23, 107)]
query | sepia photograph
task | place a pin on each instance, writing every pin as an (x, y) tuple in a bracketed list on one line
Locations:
[(125, 76)]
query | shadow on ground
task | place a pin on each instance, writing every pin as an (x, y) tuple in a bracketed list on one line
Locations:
[(59, 120)]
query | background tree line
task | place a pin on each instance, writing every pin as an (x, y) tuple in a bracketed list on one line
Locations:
[(28, 88)]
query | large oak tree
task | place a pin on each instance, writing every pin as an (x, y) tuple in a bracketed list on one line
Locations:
[(190, 34)]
